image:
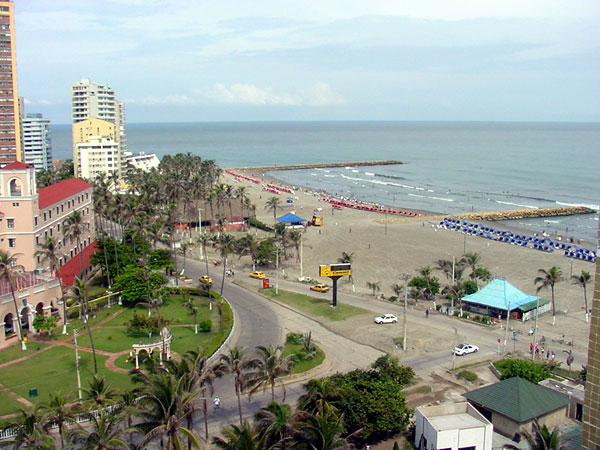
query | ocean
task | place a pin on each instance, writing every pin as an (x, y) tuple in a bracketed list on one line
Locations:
[(449, 167)]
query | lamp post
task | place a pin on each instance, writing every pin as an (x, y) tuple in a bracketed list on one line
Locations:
[(454, 349), (77, 363), (277, 271), (200, 220), (537, 310)]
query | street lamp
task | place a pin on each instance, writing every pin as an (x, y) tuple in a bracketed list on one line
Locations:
[(77, 363), (454, 349), (405, 277)]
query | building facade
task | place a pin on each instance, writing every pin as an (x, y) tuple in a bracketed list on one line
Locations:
[(591, 409), (94, 101), (37, 141), (10, 130), (29, 216), (99, 155), (141, 161)]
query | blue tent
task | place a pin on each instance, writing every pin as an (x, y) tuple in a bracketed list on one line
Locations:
[(290, 218), (499, 294)]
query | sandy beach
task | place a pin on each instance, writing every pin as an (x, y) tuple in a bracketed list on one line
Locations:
[(384, 250)]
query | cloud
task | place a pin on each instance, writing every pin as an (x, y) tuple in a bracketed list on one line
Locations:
[(37, 102), (172, 99), (239, 93)]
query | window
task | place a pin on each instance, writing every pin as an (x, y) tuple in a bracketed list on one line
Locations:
[(62, 208), (12, 242), (58, 227), (45, 217), (35, 221), (15, 204), (10, 223)]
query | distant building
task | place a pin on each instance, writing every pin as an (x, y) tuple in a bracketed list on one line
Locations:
[(591, 409), (10, 130), (91, 101), (141, 161), (99, 155), (29, 216), (452, 427), (37, 141)]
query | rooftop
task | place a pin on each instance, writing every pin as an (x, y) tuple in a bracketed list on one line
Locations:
[(453, 416), (54, 193), (17, 165)]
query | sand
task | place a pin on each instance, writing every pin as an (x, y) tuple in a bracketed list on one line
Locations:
[(382, 252)]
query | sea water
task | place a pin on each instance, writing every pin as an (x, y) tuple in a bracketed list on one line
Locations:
[(449, 167)]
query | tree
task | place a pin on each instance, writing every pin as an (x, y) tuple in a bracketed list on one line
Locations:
[(397, 288), (444, 266), (276, 425), (30, 433), (48, 251), (73, 229), (136, 283), (271, 205), (242, 437), (193, 310), (389, 367), (542, 438), (529, 370), (319, 392), (322, 431), (374, 286), (238, 365), (7, 273), (470, 259), (99, 394), (43, 323), (58, 411), (347, 258), (425, 288), (79, 294), (549, 278), (104, 432), (204, 240), (225, 244), (582, 280), (270, 365)]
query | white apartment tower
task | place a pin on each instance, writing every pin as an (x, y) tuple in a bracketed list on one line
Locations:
[(95, 101), (37, 141)]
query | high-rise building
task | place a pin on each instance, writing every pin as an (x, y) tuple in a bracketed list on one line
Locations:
[(591, 409), (37, 141), (10, 132), (94, 101)]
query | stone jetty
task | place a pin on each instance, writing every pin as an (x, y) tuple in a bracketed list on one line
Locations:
[(385, 162), (525, 213)]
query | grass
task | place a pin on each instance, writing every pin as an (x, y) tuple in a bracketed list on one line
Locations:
[(58, 374), (14, 352), (304, 365), (467, 375), (314, 306)]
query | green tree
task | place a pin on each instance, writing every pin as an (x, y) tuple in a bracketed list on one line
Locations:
[(322, 431), (225, 244), (529, 370), (276, 425), (99, 393), (136, 283), (242, 437), (270, 366), (549, 278), (346, 258), (8, 274), (48, 252), (374, 286), (470, 259), (103, 432), (582, 280), (43, 323), (319, 393), (271, 205), (79, 294), (74, 228), (543, 438), (58, 411), (389, 367), (30, 433)]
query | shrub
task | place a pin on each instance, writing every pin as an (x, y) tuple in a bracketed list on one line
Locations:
[(393, 299), (294, 338), (467, 375), (531, 371), (260, 225), (438, 307), (205, 325), (466, 315)]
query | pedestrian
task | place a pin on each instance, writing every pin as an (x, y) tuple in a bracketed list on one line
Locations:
[(369, 245), (319, 231), (350, 230), (548, 354), (217, 402), (531, 348), (553, 356), (427, 313)]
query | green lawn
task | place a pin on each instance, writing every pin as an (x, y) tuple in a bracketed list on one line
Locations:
[(305, 365), (315, 306), (10, 406), (15, 352), (52, 371)]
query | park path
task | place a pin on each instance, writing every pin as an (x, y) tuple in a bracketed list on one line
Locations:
[(15, 396)]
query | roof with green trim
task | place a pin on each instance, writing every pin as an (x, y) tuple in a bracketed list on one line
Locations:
[(518, 399), (532, 305)]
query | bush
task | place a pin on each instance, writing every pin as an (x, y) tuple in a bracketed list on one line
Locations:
[(466, 315), (467, 375), (294, 338), (531, 371), (260, 225), (438, 307), (205, 325)]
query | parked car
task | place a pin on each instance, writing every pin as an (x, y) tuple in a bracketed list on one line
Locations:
[(386, 318), (319, 287), (258, 275), (205, 279), (464, 349)]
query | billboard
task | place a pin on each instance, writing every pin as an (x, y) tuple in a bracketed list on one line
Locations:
[(335, 270)]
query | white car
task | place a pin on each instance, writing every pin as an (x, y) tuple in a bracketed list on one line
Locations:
[(464, 349), (386, 318)]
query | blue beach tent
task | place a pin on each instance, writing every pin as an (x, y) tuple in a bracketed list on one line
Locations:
[(291, 219)]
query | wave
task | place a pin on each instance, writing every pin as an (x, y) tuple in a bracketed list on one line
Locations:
[(369, 173), (594, 207), (393, 177), (515, 204), (432, 198)]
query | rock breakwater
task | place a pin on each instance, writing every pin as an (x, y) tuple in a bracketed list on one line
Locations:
[(524, 213), (384, 162)]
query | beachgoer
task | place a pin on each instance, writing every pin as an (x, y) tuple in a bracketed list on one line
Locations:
[(548, 354), (553, 356), (427, 313), (531, 347), (369, 245), (217, 402), (350, 230)]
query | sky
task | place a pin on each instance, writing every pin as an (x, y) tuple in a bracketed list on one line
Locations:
[(271, 60)]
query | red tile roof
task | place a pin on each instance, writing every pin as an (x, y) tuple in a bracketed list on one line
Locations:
[(54, 193), (72, 268), (17, 165)]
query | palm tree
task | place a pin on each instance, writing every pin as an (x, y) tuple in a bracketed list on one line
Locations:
[(295, 238), (241, 437), (58, 412), (204, 240), (193, 310), (444, 266), (549, 278), (347, 258), (225, 244), (99, 393), (30, 433), (542, 438), (248, 245), (270, 366), (237, 364), (49, 252), (168, 404), (276, 425), (374, 286), (271, 205), (319, 392), (104, 432), (73, 229), (582, 280), (79, 293), (322, 431), (470, 259), (7, 272), (184, 248)]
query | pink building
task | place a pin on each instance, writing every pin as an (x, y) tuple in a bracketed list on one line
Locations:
[(28, 217)]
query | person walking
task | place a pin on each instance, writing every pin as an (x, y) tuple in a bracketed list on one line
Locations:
[(217, 402)]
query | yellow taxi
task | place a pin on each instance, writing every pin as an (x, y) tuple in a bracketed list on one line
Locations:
[(205, 279), (319, 288), (258, 275)]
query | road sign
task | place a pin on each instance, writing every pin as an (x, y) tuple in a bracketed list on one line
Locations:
[(335, 270)]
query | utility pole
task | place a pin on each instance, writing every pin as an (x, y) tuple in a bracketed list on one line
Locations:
[(301, 275), (537, 310), (77, 363), (405, 278), (453, 349), (277, 271)]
